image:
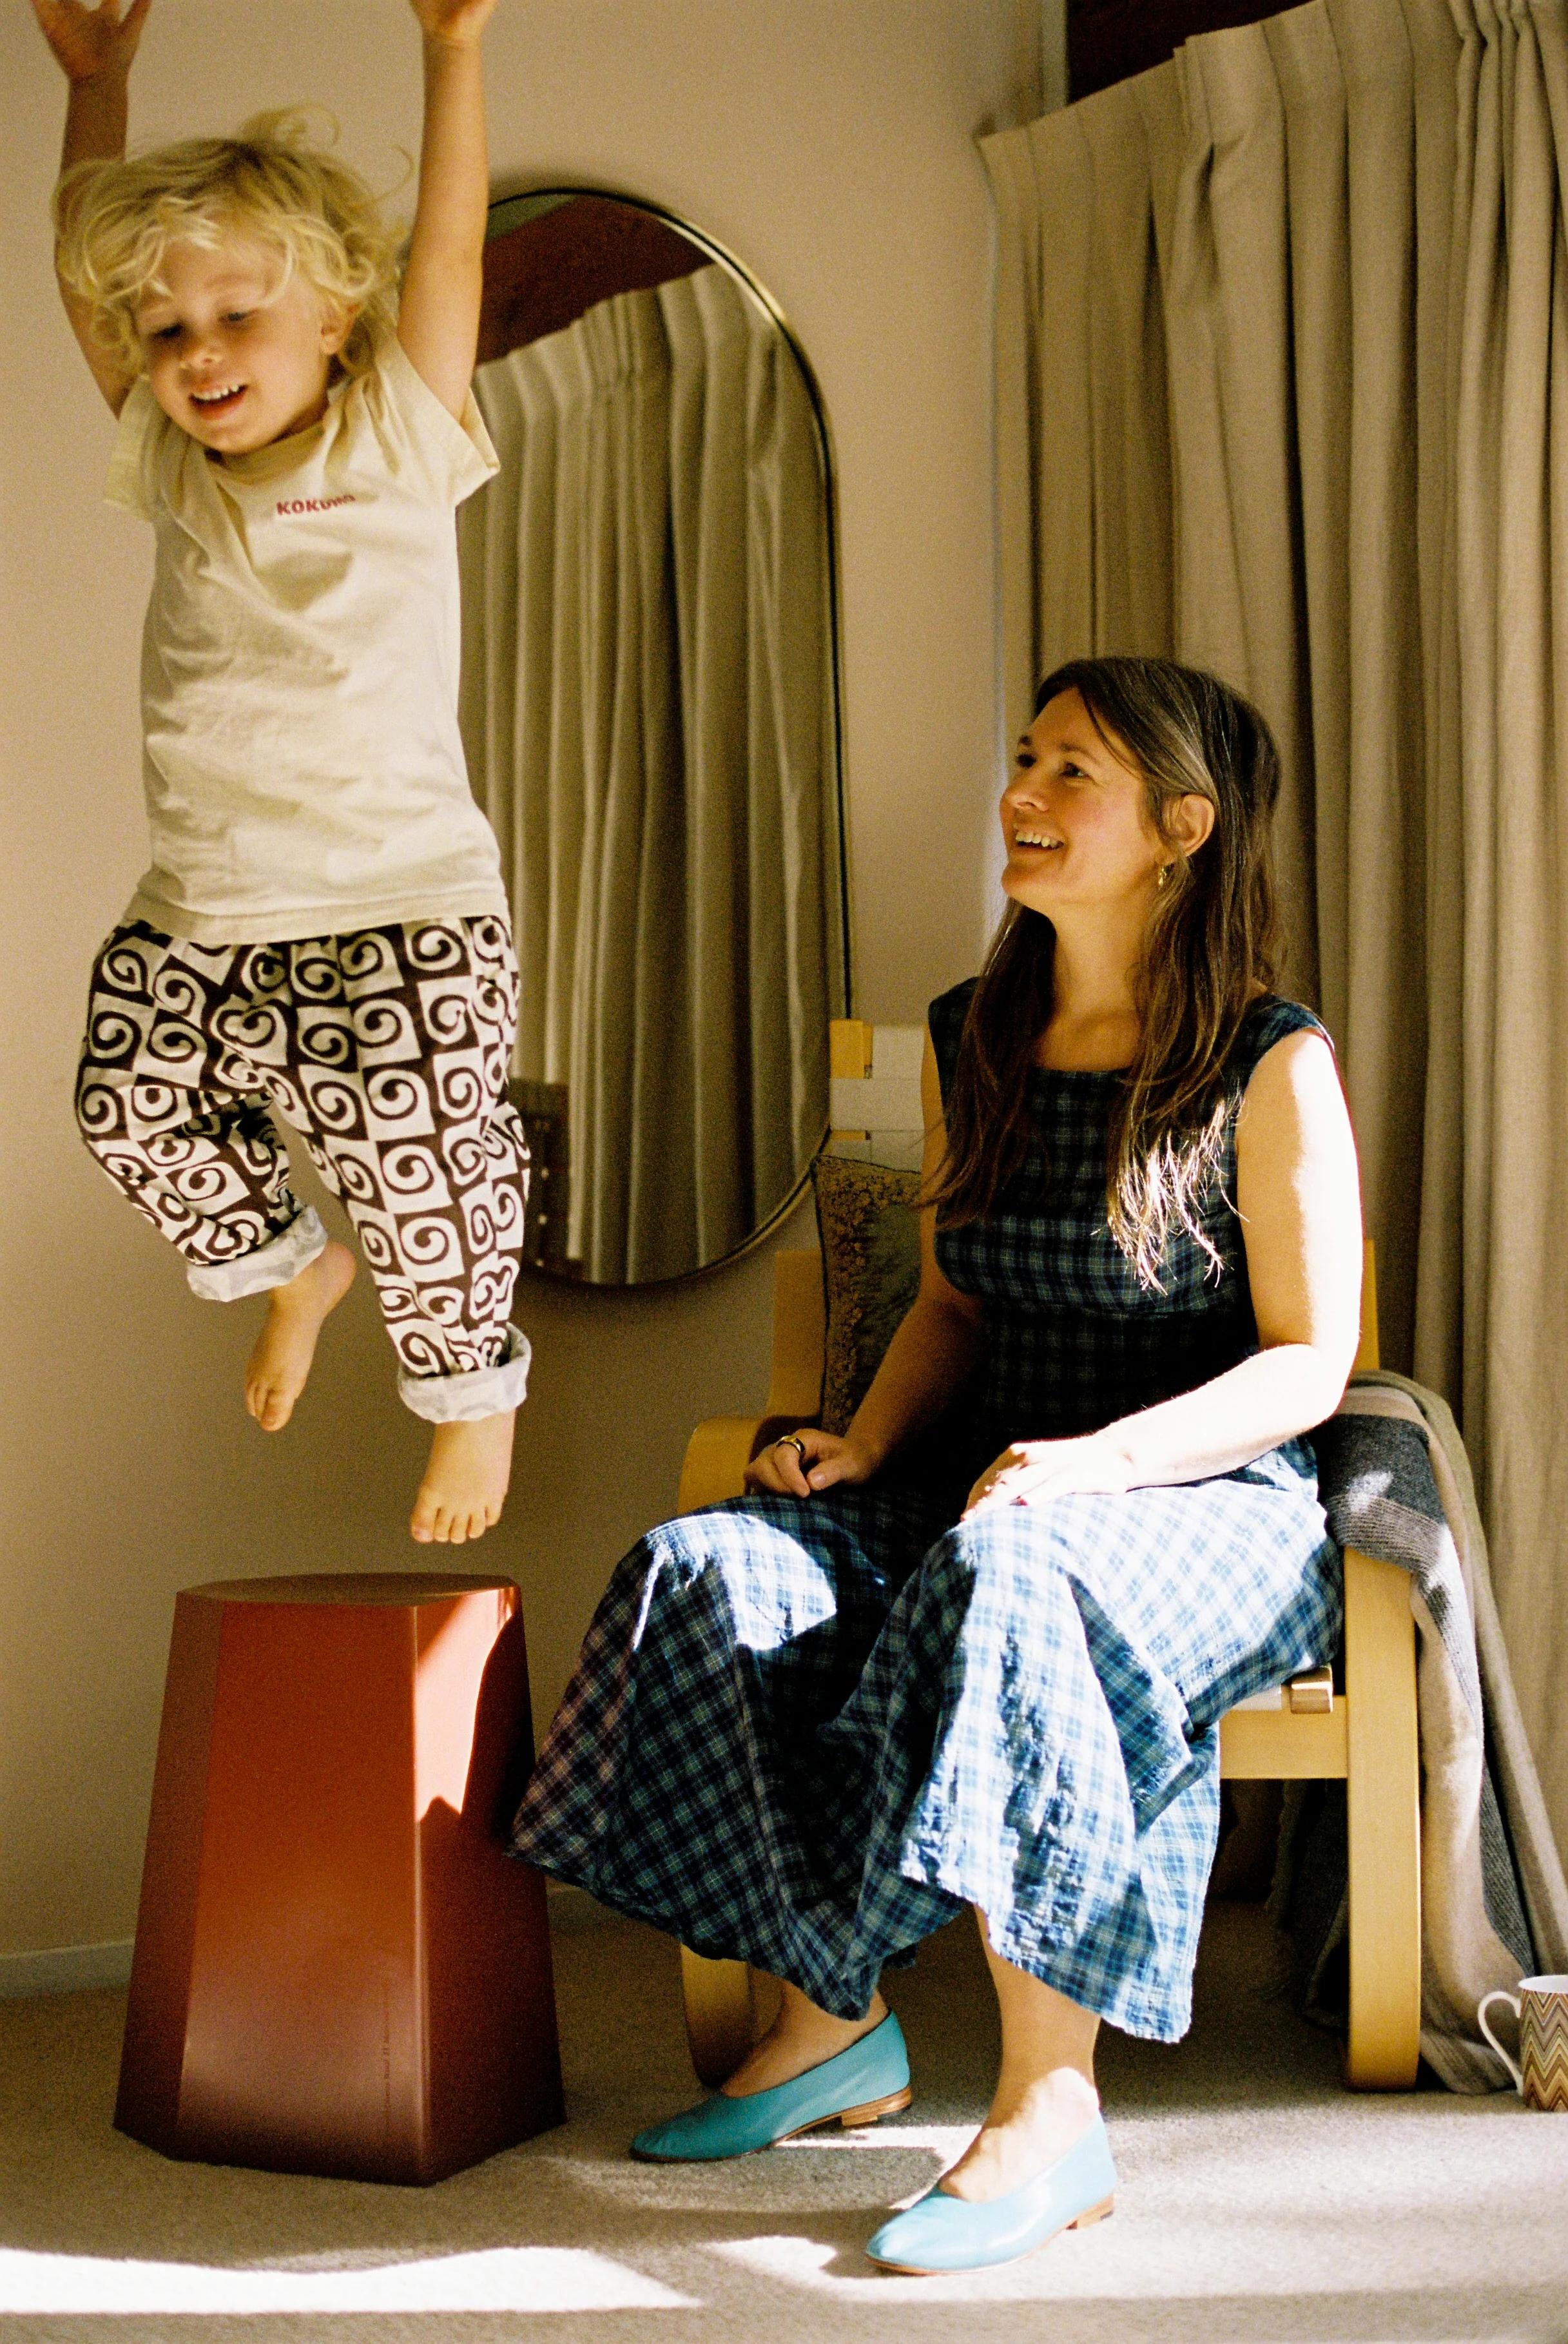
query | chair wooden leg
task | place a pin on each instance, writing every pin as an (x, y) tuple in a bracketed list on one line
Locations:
[(721, 2015), (728, 2007), (1383, 1790)]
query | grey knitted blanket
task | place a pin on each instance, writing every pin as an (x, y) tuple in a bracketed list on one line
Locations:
[(1395, 1482)]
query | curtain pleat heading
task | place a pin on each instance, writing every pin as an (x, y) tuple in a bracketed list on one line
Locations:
[(648, 711), (1282, 391)]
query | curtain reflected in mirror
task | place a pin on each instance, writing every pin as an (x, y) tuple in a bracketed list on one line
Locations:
[(649, 707)]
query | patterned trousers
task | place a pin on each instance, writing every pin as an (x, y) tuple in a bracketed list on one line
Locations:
[(387, 1050)]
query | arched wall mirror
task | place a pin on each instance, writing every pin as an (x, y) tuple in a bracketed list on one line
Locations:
[(651, 710)]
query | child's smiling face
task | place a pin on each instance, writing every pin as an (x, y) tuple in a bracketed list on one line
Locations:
[(230, 358)]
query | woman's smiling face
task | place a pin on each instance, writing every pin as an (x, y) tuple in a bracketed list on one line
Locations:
[(1074, 817)]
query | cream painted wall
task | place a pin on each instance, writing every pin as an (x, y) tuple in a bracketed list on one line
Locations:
[(831, 144)]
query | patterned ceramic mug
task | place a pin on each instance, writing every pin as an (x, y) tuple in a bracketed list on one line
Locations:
[(1541, 2071)]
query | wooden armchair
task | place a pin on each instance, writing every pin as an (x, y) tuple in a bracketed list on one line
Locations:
[(1364, 1736)]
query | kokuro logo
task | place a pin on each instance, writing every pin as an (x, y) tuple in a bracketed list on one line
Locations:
[(314, 504)]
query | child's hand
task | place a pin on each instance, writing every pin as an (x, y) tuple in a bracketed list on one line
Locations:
[(457, 23), (90, 43)]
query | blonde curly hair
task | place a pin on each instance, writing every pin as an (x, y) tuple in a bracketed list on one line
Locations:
[(113, 222)]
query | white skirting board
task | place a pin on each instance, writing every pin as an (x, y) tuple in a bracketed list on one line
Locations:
[(67, 1969)]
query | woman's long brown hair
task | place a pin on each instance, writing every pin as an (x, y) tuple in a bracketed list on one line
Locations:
[(1212, 946)]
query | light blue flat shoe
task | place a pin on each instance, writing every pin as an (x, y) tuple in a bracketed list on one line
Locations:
[(856, 2086), (943, 2233)]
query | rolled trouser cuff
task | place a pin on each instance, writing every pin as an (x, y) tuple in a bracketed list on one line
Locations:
[(273, 1264), (482, 1392)]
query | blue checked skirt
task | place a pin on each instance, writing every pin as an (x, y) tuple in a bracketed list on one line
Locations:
[(805, 1732)]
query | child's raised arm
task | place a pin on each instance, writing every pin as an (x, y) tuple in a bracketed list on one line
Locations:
[(93, 48), (438, 314)]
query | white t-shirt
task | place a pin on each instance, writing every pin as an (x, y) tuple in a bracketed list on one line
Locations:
[(304, 769)]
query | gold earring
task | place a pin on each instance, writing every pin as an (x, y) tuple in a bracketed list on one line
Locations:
[(1164, 871)]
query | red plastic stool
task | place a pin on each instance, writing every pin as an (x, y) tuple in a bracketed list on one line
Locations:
[(338, 1968)]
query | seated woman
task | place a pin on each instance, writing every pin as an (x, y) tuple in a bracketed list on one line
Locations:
[(975, 1652)]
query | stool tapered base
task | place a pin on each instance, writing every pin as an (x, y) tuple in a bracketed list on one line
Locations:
[(338, 1968)]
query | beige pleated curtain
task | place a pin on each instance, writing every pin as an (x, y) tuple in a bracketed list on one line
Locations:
[(646, 700), (1282, 384)]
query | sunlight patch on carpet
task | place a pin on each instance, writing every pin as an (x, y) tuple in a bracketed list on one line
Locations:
[(811, 2264), (498, 2279)]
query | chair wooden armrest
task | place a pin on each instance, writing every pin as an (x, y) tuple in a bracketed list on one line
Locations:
[(716, 1459), (718, 1451), (1368, 1741), (1368, 1738), (1382, 1789), (721, 1447)]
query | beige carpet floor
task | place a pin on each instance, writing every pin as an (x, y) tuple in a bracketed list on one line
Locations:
[(1259, 2200)]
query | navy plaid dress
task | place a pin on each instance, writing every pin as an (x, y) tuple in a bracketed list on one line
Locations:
[(804, 1732)]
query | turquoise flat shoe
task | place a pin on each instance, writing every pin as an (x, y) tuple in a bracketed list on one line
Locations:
[(856, 2086), (943, 2233)]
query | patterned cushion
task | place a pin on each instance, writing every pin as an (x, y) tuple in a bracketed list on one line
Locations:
[(870, 1235)]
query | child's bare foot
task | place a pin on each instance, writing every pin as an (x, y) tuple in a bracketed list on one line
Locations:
[(466, 1480), (286, 1344)]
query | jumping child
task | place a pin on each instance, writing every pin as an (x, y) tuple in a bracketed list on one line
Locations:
[(324, 932)]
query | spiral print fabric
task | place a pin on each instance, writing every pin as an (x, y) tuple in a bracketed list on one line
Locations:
[(386, 1049)]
